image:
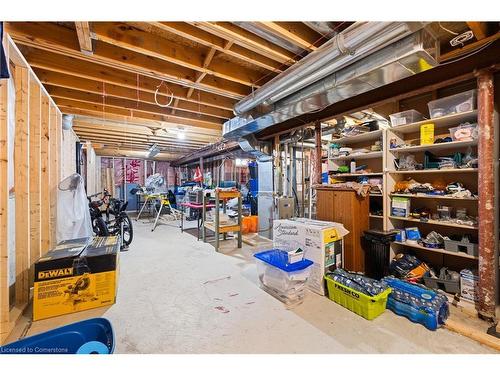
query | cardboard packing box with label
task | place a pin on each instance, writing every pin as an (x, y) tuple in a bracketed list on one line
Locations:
[(320, 240), (77, 275)]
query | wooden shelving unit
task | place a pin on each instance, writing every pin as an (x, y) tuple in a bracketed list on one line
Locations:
[(410, 134), (215, 226), (373, 160), (441, 251)]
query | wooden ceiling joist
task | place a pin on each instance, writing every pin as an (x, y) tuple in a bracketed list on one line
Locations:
[(128, 37), (294, 32), (125, 85), (200, 36), (141, 134), (118, 152), (84, 39), (62, 42), (246, 39), (97, 110), (144, 144), (63, 93), (479, 29)]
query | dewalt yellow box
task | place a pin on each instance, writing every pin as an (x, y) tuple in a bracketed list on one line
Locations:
[(77, 275)]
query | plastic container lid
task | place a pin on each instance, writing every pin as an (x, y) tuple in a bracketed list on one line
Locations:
[(279, 259)]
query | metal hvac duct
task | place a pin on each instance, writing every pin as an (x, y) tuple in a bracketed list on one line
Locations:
[(357, 41), (410, 55)]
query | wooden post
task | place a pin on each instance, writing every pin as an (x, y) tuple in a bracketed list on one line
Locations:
[(488, 157), (21, 185), (44, 174), (4, 201), (34, 177), (317, 155), (53, 173)]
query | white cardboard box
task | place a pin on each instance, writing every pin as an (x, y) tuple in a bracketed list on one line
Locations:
[(318, 239), (469, 285)]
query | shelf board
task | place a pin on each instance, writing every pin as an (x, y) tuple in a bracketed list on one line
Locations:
[(442, 251), (366, 155), (444, 197), (450, 170), (364, 137), (222, 228), (436, 146), (376, 195), (358, 174), (440, 122), (433, 222), (376, 216)]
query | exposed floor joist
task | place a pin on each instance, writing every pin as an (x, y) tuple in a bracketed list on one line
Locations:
[(84, 39)]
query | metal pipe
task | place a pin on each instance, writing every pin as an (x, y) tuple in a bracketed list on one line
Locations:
[(488, 235), (352, 44)]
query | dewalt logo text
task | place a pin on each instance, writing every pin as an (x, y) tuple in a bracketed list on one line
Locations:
[(55, 273)]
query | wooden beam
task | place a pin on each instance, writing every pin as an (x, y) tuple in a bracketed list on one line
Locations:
[(45, 174), (61, 41), (134, 138), (35, 185), (479, 29), (142, 112), (145, 129), (246, 39), (197, 35), (54, 173), (4, 212), (84, 39), (63, 93), (291, 31), (136, 145), (133, 153), (130, 38), (122, 87), (21, 184)]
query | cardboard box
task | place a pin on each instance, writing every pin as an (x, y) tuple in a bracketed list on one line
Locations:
[(400, 206), (469, 282), (320, 240), (77, 275)]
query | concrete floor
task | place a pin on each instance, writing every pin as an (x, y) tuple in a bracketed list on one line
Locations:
[(177, 295)]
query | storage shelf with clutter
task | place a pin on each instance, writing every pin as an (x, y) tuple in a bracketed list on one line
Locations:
[(431, 179), (356, 155)]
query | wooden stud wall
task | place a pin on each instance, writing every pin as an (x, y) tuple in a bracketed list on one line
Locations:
[(36, 164)]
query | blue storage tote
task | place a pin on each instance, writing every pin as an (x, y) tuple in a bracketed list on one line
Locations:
[(92, 336), (283, 280), (417, 303)]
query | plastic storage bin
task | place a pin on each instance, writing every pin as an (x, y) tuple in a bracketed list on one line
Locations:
[(285, 281), (369, 307), (406, 117), (449, 286), (92, 336), (432, 314), (464, 132), (460, 246), (462, 102)]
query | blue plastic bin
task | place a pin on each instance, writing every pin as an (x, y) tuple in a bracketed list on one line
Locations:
[(430, 317), (92, 336), (283, 280)]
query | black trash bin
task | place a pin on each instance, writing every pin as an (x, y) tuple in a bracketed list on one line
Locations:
[(377, 252)]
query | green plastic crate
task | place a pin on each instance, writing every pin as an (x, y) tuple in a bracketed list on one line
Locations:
[(367, 306)]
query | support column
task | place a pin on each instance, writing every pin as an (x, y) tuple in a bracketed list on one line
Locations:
[(488, 259), (316, 172)]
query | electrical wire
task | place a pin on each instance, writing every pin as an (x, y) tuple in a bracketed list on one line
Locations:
[(448, 30), (156, 96)]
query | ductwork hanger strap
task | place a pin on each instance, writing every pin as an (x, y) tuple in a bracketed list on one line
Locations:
[(341, 45)]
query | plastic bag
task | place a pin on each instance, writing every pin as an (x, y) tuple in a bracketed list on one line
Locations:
[(73, 215)]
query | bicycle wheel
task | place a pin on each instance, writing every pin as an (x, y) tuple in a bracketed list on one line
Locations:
[(128, 230), (99, 227)]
